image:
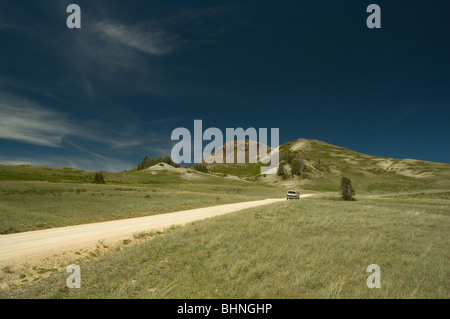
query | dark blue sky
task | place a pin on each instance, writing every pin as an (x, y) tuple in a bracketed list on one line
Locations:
[(104, 96)]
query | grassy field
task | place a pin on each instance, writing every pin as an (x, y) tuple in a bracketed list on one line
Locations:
[(312, 248), (318, 247), (34, 198)]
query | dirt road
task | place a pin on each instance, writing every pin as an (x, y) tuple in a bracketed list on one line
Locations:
[(21, 247), (36, 244)]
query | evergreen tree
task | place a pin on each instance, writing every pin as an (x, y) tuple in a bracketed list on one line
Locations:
[(99, 179), (147, 162), (282, 171), (296, 168), (347, 191)]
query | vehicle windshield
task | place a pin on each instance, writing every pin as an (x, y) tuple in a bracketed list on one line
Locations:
[(292, 192)]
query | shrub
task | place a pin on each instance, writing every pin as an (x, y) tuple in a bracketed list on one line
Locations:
[(282, 171), (99, 179), (298, 167), (147, 162), (320, 166), (295, 168), (347, 191), (287, 156), (201, 168)]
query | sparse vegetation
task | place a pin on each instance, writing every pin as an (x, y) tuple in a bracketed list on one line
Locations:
[(240, 170), (147, 162), (295, 161), (7, 269), (320, 166), (298, 167), (199, 167)]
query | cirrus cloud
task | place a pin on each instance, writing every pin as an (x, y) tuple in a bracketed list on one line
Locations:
[(154, 42), (25, 121)]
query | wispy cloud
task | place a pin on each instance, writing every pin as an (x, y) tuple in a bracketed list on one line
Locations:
[(109, 53), (140, 37), (29, 122), (6, 26), (25, 121)]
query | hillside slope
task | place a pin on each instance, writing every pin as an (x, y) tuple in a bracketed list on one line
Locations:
[(324, 164)]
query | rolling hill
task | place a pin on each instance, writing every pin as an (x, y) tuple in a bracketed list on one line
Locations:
[(321, 167), (324, 164)]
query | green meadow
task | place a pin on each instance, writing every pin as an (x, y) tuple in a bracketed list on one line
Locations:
[(317, 247), (312, 248), (48, 198)]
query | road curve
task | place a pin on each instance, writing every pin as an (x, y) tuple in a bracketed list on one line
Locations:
[(21, 246)]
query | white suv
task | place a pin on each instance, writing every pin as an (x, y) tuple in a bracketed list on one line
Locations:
[(292, 195)]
